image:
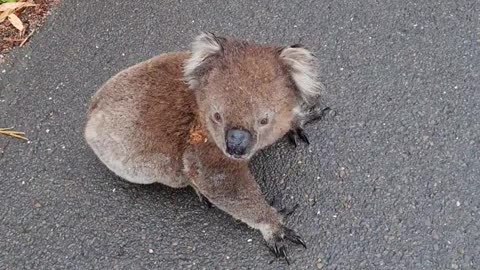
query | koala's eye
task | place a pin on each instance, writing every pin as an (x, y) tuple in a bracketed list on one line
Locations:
[(217, 117), (264, 121)]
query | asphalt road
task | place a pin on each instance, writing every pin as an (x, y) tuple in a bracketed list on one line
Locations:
[(390, 181)]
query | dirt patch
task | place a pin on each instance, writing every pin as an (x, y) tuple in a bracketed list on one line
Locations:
[(31, 18)]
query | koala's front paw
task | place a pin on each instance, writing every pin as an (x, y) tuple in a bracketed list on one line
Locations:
[(295, 134), (309, 116), (278, 242)]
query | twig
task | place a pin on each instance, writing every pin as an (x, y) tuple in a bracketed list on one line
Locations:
[(15, 134), (13, 39), (26, 38)]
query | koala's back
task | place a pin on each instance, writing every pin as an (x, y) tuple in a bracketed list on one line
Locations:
[(139, 120)]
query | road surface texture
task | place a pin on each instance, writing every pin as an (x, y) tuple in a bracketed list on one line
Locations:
[(391, 179)]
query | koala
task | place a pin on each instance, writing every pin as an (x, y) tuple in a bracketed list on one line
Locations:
[(196, 118)]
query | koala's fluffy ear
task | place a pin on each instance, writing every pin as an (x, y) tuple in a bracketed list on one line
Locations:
[(303, 70), (204, 46)]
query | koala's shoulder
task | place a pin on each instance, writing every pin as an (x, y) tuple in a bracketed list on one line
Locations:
[(164, 71), (167, 64)]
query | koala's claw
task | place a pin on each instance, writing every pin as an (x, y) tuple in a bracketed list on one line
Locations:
[(279, 249), (282, 252), (300, 133), (205, 202), (317, 114), (278, 244), (292, 138), (295, 238)]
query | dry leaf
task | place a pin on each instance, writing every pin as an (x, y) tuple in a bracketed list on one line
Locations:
[(9, 8), (4, 15), (197, 135), (14, 6), (16, 22)]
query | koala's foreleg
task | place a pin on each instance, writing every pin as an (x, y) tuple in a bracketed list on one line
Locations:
[(236, 192)]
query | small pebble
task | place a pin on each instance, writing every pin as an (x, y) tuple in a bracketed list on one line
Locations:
[(458, 203), (319, 264), (150, 251), (343, 172), (249, 240)]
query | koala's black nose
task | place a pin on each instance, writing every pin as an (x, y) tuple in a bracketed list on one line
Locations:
[(237, 141)]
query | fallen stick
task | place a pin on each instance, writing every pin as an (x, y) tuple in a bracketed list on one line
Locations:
[(12, 133), (26, 38)]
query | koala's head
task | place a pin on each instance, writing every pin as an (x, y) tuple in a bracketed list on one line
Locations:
[(249, 94)]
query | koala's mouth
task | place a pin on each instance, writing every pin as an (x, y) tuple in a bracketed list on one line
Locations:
[(238, 157)]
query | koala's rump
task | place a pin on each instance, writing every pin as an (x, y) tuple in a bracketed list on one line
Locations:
[(139, 120)]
